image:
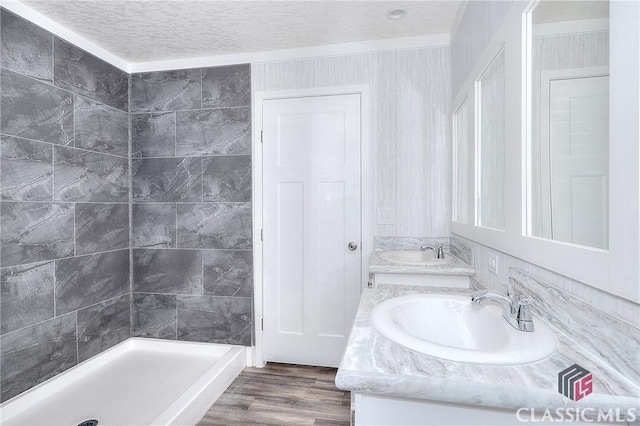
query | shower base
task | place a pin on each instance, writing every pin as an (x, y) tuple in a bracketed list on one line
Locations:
[(138, 382)]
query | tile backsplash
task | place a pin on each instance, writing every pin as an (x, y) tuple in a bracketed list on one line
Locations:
[(609, 339), (618, 307), (407, 243)]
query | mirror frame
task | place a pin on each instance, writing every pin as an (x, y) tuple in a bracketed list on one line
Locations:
[(456, 191), (617, 270), (480, 198)]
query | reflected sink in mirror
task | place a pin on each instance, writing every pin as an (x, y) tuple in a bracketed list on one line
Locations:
[(413, 257), (453, 328)]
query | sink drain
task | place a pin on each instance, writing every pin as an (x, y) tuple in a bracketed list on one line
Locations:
[(89, 423)]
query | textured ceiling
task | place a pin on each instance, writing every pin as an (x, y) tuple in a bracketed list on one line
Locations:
[(558, 11), (155, 30)]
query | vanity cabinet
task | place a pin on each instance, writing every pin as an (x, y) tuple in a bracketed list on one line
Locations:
[(429, 280), (371, 409), (449, 272)]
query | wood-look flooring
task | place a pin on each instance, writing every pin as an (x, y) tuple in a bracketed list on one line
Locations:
[(281, 394)]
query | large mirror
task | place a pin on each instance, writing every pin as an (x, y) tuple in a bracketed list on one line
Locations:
[(570, 204), (568, 156)]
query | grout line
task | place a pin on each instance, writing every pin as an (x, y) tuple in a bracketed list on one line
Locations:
[(130, 176), (75, 249), (77, 340), (241, 203), (73, 117), (101, 104), (202, 274), (63, 202), (65, 258), (93, 152), (55, 290), (175, 241), (53, 144), (53, 60), (168, 157), (176, 323), (176, 294), (202, 155), (40, 322), (165, 111), (245, 250), (53, 174)]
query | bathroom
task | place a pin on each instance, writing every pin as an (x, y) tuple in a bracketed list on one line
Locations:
[(135, 184)]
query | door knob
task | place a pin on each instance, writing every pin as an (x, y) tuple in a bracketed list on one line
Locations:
[(353, 246)]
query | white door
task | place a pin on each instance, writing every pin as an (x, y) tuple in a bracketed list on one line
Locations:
[(311, 199), (579, 152)]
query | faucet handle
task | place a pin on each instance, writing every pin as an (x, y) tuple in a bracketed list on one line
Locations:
[(524, 308), (523, 314)]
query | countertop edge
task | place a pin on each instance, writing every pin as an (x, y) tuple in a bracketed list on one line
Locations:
[(455, 267), (472, 393)]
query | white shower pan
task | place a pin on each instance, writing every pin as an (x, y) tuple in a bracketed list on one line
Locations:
[(138, 382)]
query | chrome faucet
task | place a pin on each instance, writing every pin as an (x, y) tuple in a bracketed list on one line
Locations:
[(516, 310), (438, 250)]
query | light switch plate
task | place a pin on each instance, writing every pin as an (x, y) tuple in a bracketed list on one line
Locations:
[(385, 216), (492, 263)]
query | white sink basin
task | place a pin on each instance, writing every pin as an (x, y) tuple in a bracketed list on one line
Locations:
[(451, 327), (413, 257)]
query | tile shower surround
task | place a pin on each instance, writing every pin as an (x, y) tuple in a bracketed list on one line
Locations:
[(65, 180), (191, 213), (64, 203)]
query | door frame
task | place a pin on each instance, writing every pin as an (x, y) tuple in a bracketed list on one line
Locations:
[(366, 193)]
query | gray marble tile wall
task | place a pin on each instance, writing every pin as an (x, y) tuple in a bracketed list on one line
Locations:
[(64, 202), (191, 220)]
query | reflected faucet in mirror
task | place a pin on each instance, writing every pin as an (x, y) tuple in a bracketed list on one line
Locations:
[(438, 250)]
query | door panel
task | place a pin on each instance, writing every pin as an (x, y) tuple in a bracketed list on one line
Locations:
[(311, 166), (579, 151)]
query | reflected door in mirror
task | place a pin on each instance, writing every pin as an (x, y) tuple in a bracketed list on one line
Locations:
[(577, 138), (568, 150)]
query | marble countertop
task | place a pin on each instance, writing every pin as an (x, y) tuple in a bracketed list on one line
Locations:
[(454, 266), (373, 364)]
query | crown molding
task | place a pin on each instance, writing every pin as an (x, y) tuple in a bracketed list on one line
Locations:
[(298, 53)]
